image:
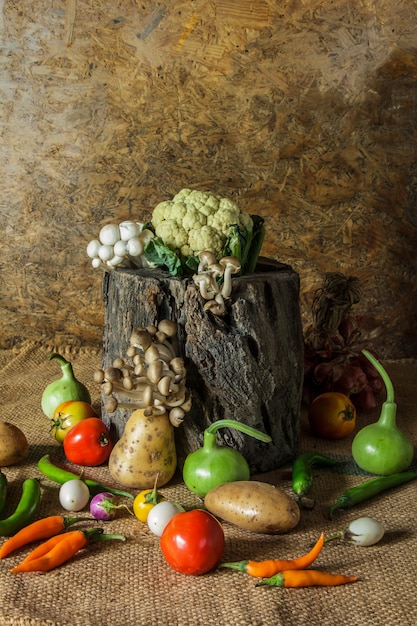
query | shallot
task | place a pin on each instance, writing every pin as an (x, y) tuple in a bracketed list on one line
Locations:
[(364, 531)]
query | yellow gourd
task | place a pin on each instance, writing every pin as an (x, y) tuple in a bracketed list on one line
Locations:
[(145, 450)]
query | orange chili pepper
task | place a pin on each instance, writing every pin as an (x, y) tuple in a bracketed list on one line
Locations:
[(46, 546), (59, 554), (263, 569), (61, 549), (41, 529), (306, 578)]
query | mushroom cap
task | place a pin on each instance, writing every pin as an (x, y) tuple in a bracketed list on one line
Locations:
[(141, 338), (109, 234), (168, 327), (160, 336), (128, 383), (176, 416), (110, 404), (217, 308), (152, 354), (154, 371), (206, 258), (166, 386), (112, 374), (107, 388), (98, 376), (216, 269), (232, 263)]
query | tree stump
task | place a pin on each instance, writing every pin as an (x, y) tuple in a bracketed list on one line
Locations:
[(246, 366)]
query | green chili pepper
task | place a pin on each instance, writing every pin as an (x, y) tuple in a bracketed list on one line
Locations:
[(61, 476), (302, 474), (26, 509), (3, 490), (368, 489)]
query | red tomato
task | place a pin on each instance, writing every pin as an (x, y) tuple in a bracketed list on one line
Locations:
[(67, 414), (193, 542), (88, 443), (332, 415)]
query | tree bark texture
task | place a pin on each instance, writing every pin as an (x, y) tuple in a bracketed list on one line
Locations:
[(246, 366)]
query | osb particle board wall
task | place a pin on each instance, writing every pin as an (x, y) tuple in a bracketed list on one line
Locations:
[(303, 112)]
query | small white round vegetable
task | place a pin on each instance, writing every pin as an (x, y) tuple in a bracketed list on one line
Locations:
[(109, 234), (106, 252), (135, 246), (93, 248), (160, 514), (74, 495), (128, 230), (364, 531), (120, 248), (96, 263)]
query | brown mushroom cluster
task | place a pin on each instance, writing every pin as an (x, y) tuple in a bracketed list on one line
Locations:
[(209, 271), (151, 377)]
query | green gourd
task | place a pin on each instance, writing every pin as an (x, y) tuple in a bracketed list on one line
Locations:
[(65, 388), (213, 465), (382, 448)]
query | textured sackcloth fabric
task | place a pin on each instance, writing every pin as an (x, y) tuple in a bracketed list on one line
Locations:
[(119, 584)]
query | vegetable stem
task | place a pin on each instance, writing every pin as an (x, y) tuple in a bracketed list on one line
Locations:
[(60, 476), (244, 428), (383, 373), (95, 538)]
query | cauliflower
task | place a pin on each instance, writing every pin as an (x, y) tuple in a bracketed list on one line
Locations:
[(194, 221)]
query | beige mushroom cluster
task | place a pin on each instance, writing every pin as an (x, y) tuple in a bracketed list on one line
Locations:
[(151, 377), (216, 292)]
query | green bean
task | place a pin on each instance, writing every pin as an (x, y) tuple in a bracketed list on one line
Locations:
[(61, 476), (3, 490), (368, 489), (25, 510), (302, 475)]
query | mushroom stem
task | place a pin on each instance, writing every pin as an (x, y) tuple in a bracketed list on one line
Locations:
[(231, 266), (207, 285)]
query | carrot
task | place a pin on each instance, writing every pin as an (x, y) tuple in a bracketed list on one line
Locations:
[(263, 569), (41, 529), (306, 578)]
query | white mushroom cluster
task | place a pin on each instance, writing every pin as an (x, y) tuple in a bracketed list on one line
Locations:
[(120, 245), (151, 377), (214, 279)]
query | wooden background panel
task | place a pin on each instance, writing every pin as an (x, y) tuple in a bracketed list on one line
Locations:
[(303, 113)]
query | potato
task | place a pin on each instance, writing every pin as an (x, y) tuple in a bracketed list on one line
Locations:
[(14, 446), (146, 450), (255, 506)]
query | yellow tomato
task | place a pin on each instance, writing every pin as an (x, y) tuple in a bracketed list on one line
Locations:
[(144, 502), (67, 415), (332, 415)]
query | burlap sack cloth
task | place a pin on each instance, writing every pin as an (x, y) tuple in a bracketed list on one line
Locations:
[(114, 584)]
